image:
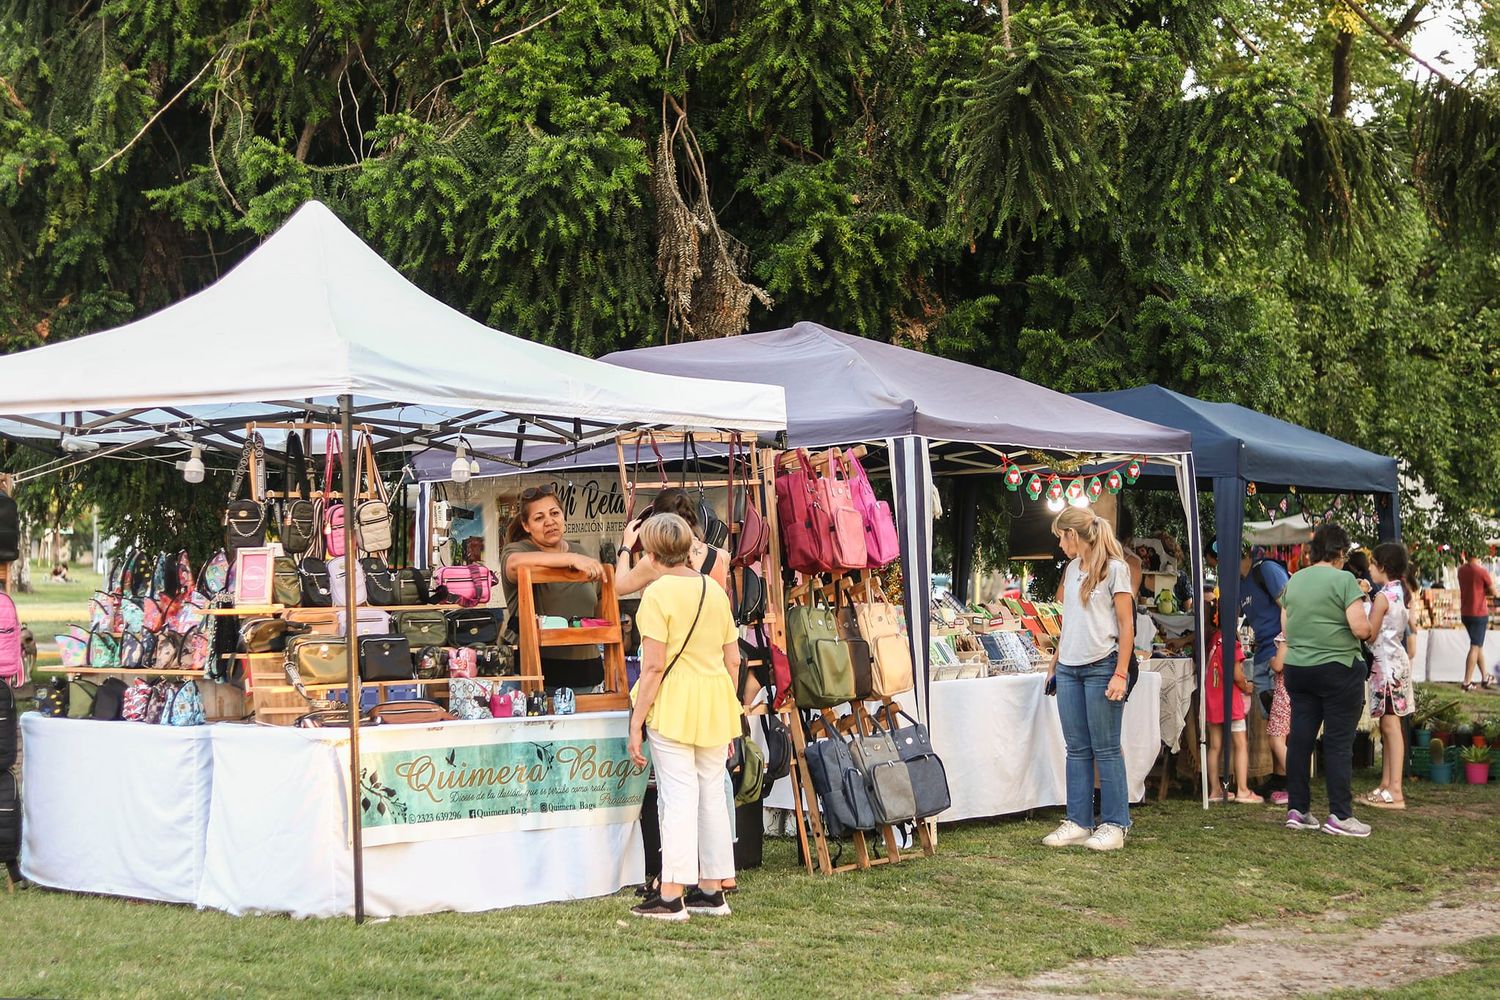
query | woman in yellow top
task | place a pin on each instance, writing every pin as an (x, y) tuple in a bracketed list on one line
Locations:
[(685, 704)]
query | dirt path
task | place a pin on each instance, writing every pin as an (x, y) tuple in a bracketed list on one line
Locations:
[(1297, 957)]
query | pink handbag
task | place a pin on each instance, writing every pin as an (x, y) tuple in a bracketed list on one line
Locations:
[(463, 662), (806, 528), (881, 541), (849, 551), (468, 586), (333, 513)]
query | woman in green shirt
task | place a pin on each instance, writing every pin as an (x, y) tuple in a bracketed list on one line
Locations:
[(1323, 619)]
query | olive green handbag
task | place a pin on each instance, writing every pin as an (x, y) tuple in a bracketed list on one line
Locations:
[(319, 659), (822, 673), (421, 628), (286, 582)]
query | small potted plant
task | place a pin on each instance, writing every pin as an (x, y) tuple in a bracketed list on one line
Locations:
[(1463, 734), (1422, 736), (1476, 764), (1441, 771)]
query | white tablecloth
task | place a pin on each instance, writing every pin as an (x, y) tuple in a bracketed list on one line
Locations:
[(115, 807), (254, 819), (1001, 743), (1441, 653), (1179, 681)]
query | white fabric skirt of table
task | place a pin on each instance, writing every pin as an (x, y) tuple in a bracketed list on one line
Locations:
[(1001, 743), (1441, 653), (1179, 682), (254, 819)]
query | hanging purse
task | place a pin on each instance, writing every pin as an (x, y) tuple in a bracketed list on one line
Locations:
[(245, 520), (385, 658), (372, 518), (882, 543), (890, 653), (806, 528), (338, 581), (317, 587), (886, 776), (333, 513), (319, 659), (822, 674), (753, 539), (746, 766), (715, 531), (286, 582), (380, 582), (859, 652), (848, 525), (840, 785), (929, 779), (300, 516), (749, 593), (468, 585)]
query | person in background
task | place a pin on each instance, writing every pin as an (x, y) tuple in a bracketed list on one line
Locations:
[(535, 539), (1358, 564), (1262, 580), (685, 705), (1391, 694), (1090, 676), (712, 562), (1239, 755), (1323, 622), (1475, 585)]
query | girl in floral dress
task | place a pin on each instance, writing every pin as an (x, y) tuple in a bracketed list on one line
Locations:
[(1391, 694)]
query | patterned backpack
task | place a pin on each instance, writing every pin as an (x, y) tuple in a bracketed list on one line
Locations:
[(160, 697), (185, 707), (137, 697)]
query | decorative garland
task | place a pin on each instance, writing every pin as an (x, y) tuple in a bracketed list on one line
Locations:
[(1078, 490)]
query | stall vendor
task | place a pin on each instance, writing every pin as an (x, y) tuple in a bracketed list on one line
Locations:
[(535, 539)]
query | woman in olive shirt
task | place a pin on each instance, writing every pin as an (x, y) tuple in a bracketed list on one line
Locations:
[(1323, 619), (535, 539)]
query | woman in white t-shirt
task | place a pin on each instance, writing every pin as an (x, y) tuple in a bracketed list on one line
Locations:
[(1090, 677)]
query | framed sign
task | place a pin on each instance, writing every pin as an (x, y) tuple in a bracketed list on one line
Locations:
[(252, 575)]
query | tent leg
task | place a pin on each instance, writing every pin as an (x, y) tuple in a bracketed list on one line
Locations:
[(351, 648)]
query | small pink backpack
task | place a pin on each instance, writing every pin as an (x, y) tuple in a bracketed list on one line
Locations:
[(12, 664), (881, 541)]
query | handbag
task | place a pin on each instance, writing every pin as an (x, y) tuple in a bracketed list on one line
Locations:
[(468, 586), (81, 699), (848, 525), (749, 593), (299, 515), (806, 528), (475, 627), (881, 540), (746, 766), (421, 628), (367, 621), (319, 621), (245, 520), (317, 587), (338, 581), (859, 652), (431, 662), (414, 711), (286, 582), (411, 586), (380, 581), (385, 658), (715, 532), (753, 538), (778, 747), (319, 659), (372, 518), (137, 649), (268, 635), (841, 788), (929, 779), (822, 674), (333, 513), (463, 662), (890, 654), (886, 775), (332, 718)]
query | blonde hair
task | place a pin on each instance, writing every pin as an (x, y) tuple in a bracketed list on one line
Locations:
[(668, 539), (1099, 542)]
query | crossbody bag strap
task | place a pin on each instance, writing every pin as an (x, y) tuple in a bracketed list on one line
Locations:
[(702, 595), (258, 488), (240, 469)]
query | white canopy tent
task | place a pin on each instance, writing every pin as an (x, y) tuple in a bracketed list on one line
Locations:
[(314, 321)]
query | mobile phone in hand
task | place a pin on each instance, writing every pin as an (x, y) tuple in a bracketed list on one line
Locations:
[(1051, 689)]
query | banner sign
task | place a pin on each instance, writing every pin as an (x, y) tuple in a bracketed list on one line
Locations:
[(462, 779)]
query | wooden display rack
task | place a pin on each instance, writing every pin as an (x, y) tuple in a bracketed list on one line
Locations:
[(534, 638), (811, 833)]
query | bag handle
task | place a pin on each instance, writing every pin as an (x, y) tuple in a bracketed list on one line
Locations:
[(367, 445), (330, 452), (254, 444)]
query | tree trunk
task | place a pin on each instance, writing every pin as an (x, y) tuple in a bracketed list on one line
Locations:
[(21, 570), (1343, 75), (1005, 23)]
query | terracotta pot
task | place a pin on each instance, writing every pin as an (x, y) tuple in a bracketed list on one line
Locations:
[(1479, 740), (1478, 774)]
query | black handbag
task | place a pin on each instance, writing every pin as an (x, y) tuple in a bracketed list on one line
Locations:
[(839, 783), (385, 658), (929, 779), (300, 519), (245, 520), (109, 700), (473, 627), (380, 582), (778, 747), (317, 585), (749, 594)]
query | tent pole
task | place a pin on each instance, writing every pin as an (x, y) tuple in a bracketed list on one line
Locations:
[(351, 649), (1229, 519)]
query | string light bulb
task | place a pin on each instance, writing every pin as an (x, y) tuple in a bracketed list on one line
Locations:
[(459, 471), (192, 469)]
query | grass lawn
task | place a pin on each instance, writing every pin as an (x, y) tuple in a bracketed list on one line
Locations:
[(994, 904)]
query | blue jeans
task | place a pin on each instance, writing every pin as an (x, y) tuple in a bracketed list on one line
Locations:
[(1091, 730)]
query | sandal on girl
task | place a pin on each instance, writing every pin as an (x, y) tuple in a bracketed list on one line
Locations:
[(1386, 801), (1249, 799), (1469, 686), (1375, 793)]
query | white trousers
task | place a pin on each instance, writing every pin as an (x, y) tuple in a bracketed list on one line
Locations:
[(695, 838)]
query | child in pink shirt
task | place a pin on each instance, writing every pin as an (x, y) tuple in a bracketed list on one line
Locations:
[(1239, 748)]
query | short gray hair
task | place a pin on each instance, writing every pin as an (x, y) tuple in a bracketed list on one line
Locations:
[(668, 538)]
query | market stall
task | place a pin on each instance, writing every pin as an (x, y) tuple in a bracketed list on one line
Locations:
[(321, 330)]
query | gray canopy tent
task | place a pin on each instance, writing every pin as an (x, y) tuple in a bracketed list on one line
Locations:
[(933, 416)]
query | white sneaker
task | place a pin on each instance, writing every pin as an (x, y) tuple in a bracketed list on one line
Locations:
[(1066, 835), (1107, 837)]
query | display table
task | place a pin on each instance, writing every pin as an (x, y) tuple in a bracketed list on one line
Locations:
[(1441, 653), (1001, 743), (252, 819), (1179, 682)]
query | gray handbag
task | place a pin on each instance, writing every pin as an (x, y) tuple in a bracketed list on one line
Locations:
[(929, 779), (886, 775)]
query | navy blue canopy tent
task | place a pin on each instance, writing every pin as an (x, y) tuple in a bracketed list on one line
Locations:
[(1234, 446)]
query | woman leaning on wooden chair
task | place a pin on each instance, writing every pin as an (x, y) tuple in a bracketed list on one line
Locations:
[(685, 707)]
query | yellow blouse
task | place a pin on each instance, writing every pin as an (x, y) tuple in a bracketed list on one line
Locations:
[(696, 703)]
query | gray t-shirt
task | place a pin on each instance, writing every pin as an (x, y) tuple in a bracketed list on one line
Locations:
[(568, 600), (1090, 630)]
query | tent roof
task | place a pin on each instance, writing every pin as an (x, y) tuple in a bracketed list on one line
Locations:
[(841, 388), (314, 313), (1232, 441)]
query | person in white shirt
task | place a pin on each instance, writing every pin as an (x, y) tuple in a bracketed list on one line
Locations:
[(1090, 677)]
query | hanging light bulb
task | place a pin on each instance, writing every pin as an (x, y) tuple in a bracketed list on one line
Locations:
[(1055, 504), (1078, 500), (459, 471), (192, 469)]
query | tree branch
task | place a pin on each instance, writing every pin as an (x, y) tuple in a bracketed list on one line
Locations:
[(1398, 45), (159, 112), (1343, 75), (1244, 38), (1408, 22)]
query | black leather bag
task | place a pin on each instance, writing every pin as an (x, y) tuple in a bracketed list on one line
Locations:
[(749, 595), (778, 747), (929, 779), (380, 582), (385, 658), (317, 585), (245, 520), (109, 700), (301, 525), (473, 627), (840, 785)]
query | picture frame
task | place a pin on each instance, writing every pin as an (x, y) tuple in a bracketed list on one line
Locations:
[(252, 575)]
